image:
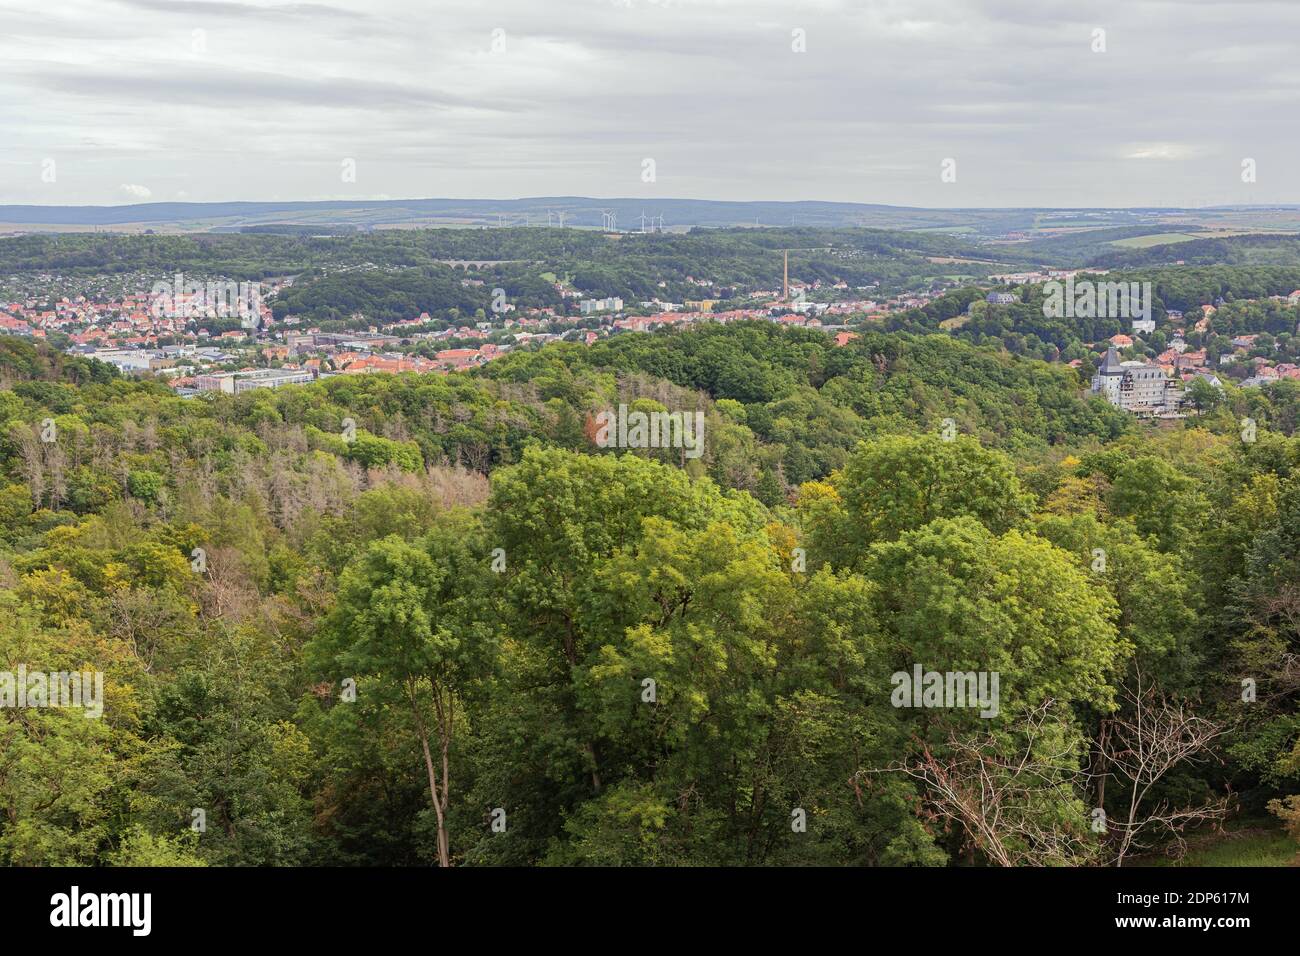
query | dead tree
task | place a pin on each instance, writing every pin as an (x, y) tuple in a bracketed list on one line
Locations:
[(1152, 734), (1009, 805)]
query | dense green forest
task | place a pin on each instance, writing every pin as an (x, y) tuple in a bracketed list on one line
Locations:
[(1240, 294), (1256, 250), (465, 634), (257, 256), (396, 274)]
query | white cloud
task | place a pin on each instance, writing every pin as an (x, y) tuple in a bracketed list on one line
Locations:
[(135, 191), (279, 91), (1159, 151)]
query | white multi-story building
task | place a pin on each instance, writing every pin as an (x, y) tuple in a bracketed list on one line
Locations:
[(611, 304), (1136, 386), (235, 383), (127, 360)]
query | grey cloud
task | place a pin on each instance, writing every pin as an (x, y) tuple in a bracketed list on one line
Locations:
[(711, 90), (228, 8), (212, 86)]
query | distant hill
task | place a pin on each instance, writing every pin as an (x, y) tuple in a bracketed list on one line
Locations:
[(1251, 250), (1047, 235), (579, 211), (576, 211)]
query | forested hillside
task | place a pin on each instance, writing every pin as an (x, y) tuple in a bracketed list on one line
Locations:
[(459, 632), (1247, 300), (391, 275)]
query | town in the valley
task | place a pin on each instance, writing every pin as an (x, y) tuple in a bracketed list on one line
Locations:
[(200, 342)]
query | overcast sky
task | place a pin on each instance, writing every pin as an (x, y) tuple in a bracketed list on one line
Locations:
[(213, 100)]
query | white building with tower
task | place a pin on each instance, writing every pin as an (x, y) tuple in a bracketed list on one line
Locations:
[(1136, 386)]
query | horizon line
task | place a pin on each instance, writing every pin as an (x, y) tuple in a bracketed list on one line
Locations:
[(636, 199)]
